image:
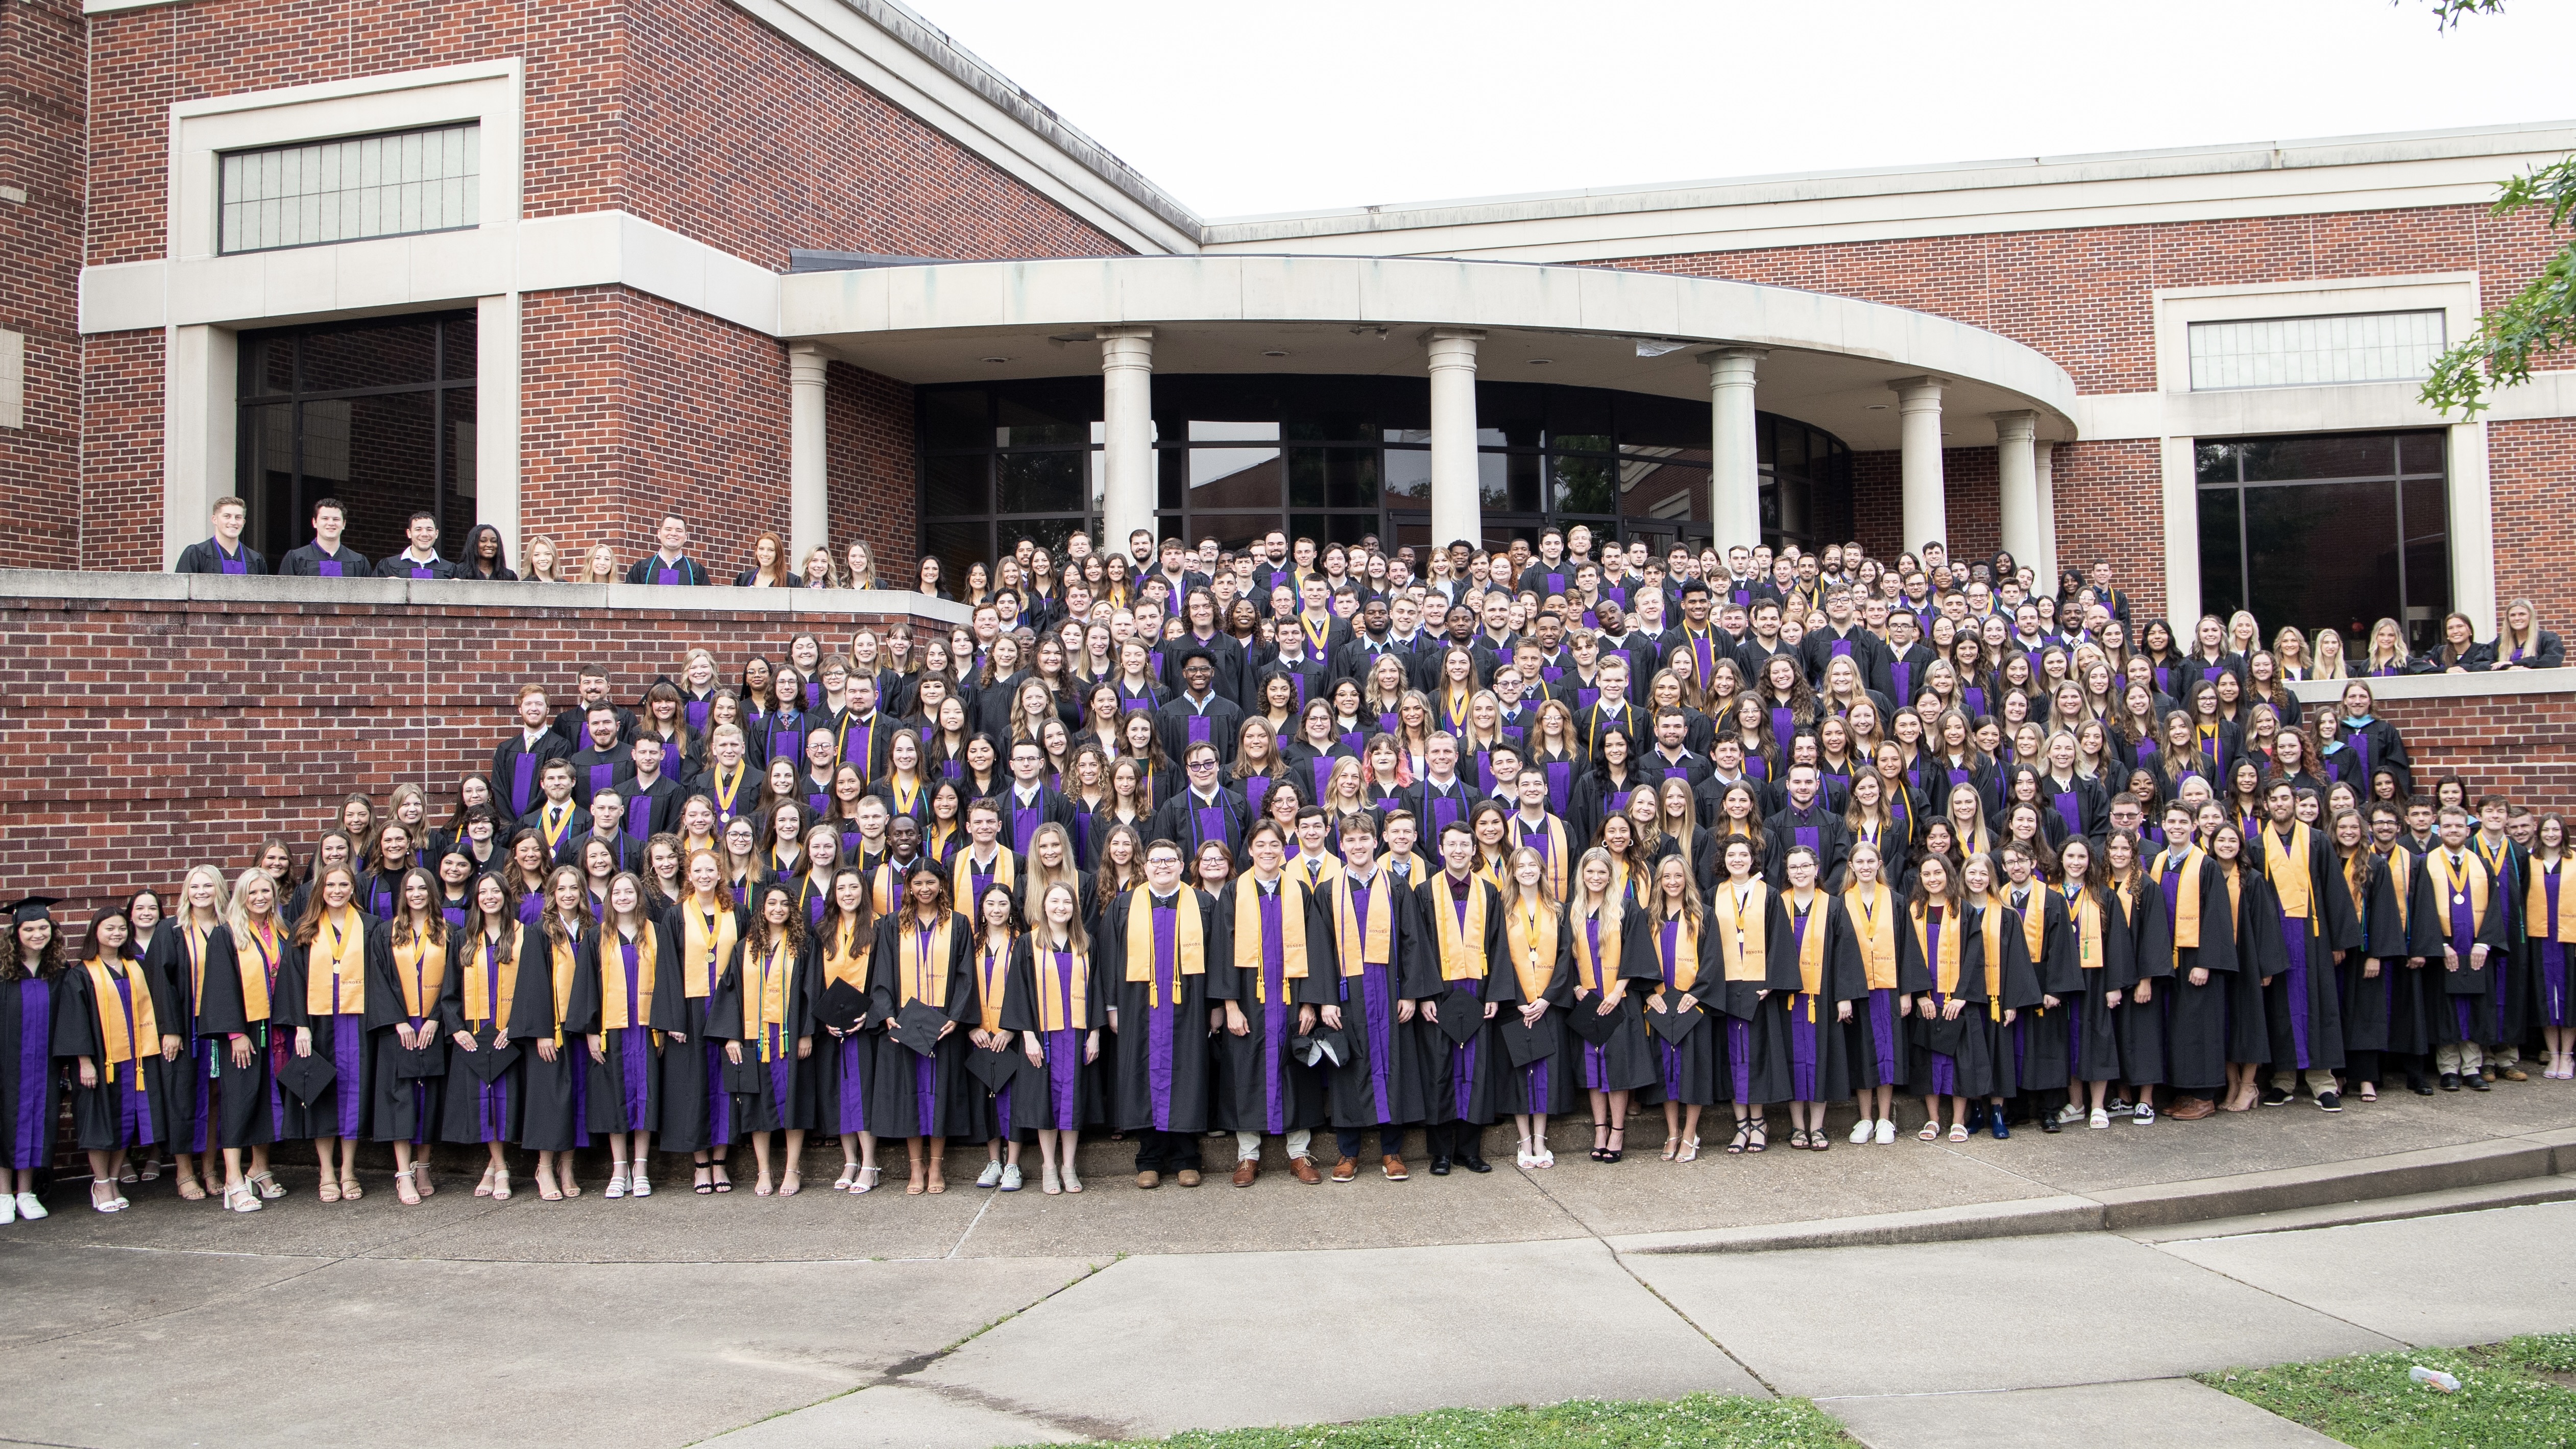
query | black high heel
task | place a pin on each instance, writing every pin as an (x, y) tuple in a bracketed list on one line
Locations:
[(1600, 1141), (1614, 1153)]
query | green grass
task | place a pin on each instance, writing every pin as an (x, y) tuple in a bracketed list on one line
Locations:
[(2513, 1395), (1708, 1419)]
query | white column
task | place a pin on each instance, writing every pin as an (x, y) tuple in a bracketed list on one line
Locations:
[(2017, 484), (496, 420), (1126, 434), (199, 380), (2472, 528), (1456, 493), (809, 471), (1734, 461), (2182, 534), (2043, 458), (1927, 508)]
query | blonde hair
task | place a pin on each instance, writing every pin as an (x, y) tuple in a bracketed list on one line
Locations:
[(237, 918)]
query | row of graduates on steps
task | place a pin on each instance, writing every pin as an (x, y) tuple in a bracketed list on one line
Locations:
[(2321, 954)]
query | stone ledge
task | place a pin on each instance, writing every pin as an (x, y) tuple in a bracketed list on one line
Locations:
[(2445, 686), (28, 586)]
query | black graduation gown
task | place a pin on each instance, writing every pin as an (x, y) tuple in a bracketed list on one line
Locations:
[(344, 1038), (1065, 1092), (1971, 1068), (1386, 1078), (2042, 1040), (2139, 933), (1547, 1083), (916, 1095), (2382, 1012), (2014, 987), (2302, 1004), (1865, 1044), (2259, 958), (551, 1119), (1464, 1074), (1819, 1048), (773, 1085), (2463, 1005), (1162, 1077), (473, 1110), (30, 1079), (1687, 1071), (216, 1103), (1628, 1060), (1260, 1085), (1752, 1043), (845, 1067), (625, 1080), (2196, 1017), (697, 1109), (2509, 990), (405, 1091), (134, 1109)]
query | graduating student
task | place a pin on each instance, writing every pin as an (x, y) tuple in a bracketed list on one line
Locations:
[(923, 958), (762, 1009), (845, 1057), (635, 962), (2103, 950), (519, 761), (1200, 715), (1272, 967), (2379, 984), (671, 564), (556, 1005), (31, 972), (2549, 918), (482, 1102), (1755, 957), (2039, 1045), (224, 975), (1830, 980), (2258, 959), (1878, 1049), (407, 964), (2201, 921), (419, 559), (108, 1019), (996, 917), (2469, 908), (1383, 1079), (1458, 921), (1056, 1002), (2316, 925), (1943, 944), (179, 957), (1204, 813), (1541, 951), (1612, 948), (325, 1000), (697, 1113), (224, 553), (1153, 941), (324, 558)]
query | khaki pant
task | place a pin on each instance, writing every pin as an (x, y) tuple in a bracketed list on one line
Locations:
[(2456, 1058), (1247, 1145), (2320, 1081)]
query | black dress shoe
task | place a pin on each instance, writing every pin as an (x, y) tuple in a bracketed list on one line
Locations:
[(2048, 1123), (2450, 1081), (2275, 1097), (1440, 1167), (1476, 1165), (2420, 1089), (2475, 1081)]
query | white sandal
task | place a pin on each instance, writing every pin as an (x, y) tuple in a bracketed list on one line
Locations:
[(616, 1184), (239, 1198), (501, 1184), (639, 1185)]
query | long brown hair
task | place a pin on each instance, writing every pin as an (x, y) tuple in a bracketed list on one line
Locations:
[(793, 932), (314, 909), (437, 931)]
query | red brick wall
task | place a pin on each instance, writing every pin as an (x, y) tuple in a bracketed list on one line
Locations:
[(2109, 502), (2530, 466), (267, 714), (868, 422), (121, 459), (43, 97), (1968, 480)]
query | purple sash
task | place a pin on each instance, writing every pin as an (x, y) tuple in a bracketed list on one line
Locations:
[(328, 568), (666, 576), (1274, 1013), (1162, 1031)]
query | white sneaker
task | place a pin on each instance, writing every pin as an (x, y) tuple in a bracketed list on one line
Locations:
[(2146, 1115), (991, 1176), (8, 1209), (30, 1207), (1886, 1131), (1010, 1179), (2099, 1118), (1862, 1131)]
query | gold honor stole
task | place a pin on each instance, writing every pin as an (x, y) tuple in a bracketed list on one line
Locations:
[(1873, 914), (2086, 913), (992, 978), (124, 1040), (2537, 908), (961, 879), (1461, 943), (1994, 933), (1189, 941), (1530, 933), (1945, 965), (1247, 933), (563, 961), (1552, 831), (612, 998), (921, 966), (1684, 967), (254, 979), (477, 987), (767, 1006), (1370, 942), (2401, 865), (1745, 947), (420, 972), (845, 957), (1063, 1007), (1811, 951), (2468, 883), (1596, 972), (1489, 869), (704, 947), (2186, 922), (1314, 875), (194, 942), (727, 791), (2034, 925), (2285, 865), (555, 819), (335, 975)]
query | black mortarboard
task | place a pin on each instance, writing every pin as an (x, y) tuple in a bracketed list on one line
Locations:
[(1525, 1043), (1588, 1023), (1673, 1023), (1323, 1044), (487, 1062), (841, 1006), (31, 908), (1946, 1036), (917, 1026), (306, 1078), (994, 1069), (411, 1066), (1462, 1015)]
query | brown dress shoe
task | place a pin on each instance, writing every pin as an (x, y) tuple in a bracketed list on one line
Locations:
[(1245, 1171), (1188, 1177), (1346, 1169), (1148, 1181), (2194, 1110), (1394, 1167), (2514, 1074), (1303, 1169)]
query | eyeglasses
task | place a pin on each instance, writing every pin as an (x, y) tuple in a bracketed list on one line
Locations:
[(1198, 765)]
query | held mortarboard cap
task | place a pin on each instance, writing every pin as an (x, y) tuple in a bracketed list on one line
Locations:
[(1323, 1044), (995, 1070), (1584, 1018), (917, 1027), (32, 908), (1673, 1023), (306, 1078), (842, 1006), (1524, 1043)]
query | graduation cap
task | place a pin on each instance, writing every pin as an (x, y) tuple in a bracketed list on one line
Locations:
[(1943, 1035), (994, 1069), (1323, 1044), (841, 1006), (1674, 1022), (31, 908), (487, 1062), (306, 1078), (1588, 1023), (1524, 1042), (412, 1066), (917, 1026), (1462, 1015)]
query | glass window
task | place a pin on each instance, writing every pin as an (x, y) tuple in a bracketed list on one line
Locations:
[(2308, 351), (1049, 482), (2323, 532), (398, 184), (379, 415)]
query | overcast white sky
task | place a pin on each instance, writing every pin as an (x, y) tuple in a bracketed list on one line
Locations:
[(1239, 108)]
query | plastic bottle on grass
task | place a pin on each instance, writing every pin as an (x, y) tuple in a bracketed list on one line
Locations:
[(2434, 1377)]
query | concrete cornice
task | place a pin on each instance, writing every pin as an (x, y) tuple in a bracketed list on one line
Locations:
[(2488, 685), (20, 587)]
